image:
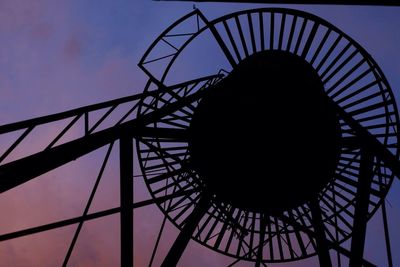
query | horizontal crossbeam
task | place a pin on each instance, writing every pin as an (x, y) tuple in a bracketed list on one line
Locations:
[(91, 216)]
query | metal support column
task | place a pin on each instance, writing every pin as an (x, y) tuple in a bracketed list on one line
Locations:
[(126, 195), (361, 208)]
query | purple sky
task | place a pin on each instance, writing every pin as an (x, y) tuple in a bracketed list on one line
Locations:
[(58, 55)]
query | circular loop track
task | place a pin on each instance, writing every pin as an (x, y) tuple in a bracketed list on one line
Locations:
[(236, 223)]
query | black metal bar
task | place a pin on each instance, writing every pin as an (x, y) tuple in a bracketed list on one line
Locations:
[(321, 44), (336, 222), (300, 37), (177, 249), (253, 40), (159, 58), (387, 236), (310, 39), (86, 119), (61, 134), (309, 2), (91, 216), (261, 21), (16, 143), (153, 254), (272, 33), (361, 208), (282, 30), (292, 27), (88, 204), (241, 35), (126, 197), (320, 237), (232, 40), (105, 115)]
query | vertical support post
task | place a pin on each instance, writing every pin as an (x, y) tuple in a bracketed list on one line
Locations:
[(177, 249), (320, 237), (126, 198), (361, 208), (387, 236)]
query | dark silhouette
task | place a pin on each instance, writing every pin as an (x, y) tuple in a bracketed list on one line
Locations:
[(265, 138), (285, 156)]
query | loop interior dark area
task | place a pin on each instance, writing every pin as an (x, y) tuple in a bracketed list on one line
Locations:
[(265, 138)]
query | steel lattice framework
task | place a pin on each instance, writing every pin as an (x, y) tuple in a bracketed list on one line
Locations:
[(160, 119)]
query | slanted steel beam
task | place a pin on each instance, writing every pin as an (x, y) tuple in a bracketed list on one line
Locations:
[(92, 216), (181, 242), (361, 208)]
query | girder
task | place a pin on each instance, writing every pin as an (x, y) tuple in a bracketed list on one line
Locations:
[(22, 170)]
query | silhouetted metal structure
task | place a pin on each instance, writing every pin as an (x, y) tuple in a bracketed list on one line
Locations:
[(284, 156)]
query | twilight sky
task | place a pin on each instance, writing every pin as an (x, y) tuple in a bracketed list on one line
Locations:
[(58, 55)]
